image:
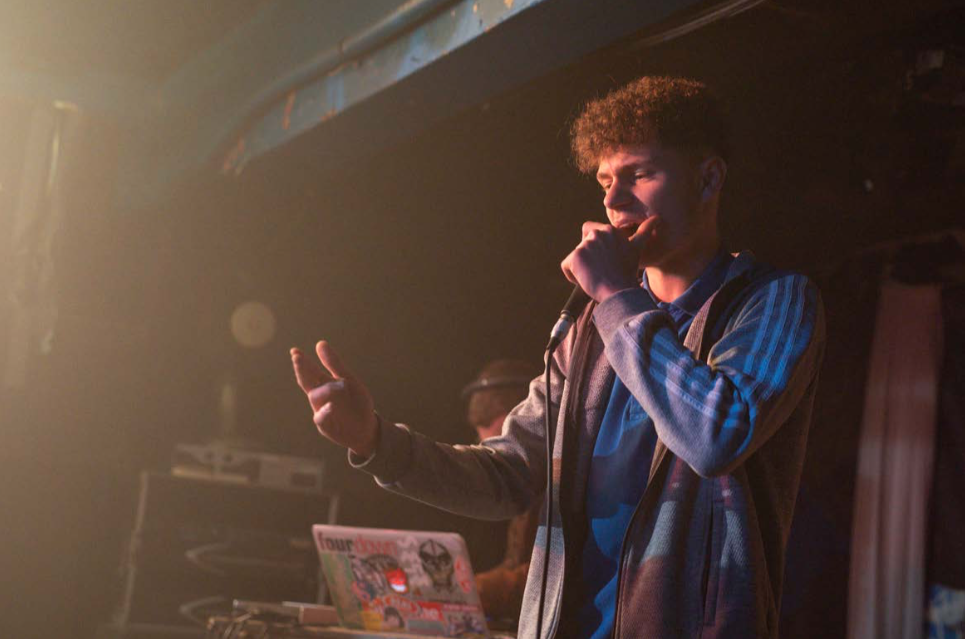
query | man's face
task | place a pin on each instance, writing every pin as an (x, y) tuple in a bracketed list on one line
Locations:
[(492, 429), (646, 180)]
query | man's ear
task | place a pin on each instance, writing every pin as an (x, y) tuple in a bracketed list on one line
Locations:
[(711, 172)]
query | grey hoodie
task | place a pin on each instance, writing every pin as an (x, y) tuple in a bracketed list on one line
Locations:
[(704, 553)]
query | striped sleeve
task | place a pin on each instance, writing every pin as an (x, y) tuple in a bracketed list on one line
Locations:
[(714, 415)]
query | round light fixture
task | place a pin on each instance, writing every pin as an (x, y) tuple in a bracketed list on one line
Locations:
[(253, 324)]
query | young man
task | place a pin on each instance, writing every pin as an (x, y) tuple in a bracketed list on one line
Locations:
[(683, 400)]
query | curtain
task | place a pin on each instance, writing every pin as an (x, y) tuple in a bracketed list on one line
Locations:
[(894, 473)]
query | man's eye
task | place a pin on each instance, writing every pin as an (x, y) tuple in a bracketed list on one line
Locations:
[(605, 187), (644, 175)]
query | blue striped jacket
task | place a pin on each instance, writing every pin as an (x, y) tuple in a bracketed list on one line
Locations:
[(703, 555)]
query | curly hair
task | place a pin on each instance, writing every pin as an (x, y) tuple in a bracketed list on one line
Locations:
[(677, 112)]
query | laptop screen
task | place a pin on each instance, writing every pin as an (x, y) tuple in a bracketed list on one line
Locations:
[(393, 580)]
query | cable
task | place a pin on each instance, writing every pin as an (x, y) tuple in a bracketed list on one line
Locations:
[(547, 413)]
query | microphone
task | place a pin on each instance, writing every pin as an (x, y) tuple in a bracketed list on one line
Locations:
[(571, 310)]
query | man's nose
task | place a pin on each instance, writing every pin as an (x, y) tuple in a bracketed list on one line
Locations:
[(616, 196)]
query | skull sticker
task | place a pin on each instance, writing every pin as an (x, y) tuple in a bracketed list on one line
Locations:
[(437, 562)]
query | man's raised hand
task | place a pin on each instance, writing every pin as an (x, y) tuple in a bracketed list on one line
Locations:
[(608, 258), (342, 408)]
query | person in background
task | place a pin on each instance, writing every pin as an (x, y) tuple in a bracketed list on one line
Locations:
[(496, 390)]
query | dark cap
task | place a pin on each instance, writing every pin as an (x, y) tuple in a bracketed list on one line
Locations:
[(497, 389), (500, 373)]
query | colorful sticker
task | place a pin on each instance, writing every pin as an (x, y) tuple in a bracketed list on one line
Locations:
[(412, 585)]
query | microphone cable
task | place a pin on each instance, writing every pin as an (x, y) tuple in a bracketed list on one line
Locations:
[(548, 427), (571, 310)]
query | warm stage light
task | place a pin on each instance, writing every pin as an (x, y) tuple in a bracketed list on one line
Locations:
[(253, 324)]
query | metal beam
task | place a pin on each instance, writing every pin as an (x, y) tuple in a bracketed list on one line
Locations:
[(348, 76), (390, 81), (489, 47)]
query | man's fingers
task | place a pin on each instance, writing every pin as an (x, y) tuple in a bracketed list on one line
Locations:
[(331, 360), (322, 395), (567, 267), (645, 232), (308, 373), (593, 226), (322, 415)]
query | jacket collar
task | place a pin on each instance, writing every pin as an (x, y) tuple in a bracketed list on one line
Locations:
[(719, 270)]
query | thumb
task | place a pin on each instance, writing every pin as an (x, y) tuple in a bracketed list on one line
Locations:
[(331, 360), (646, 232)]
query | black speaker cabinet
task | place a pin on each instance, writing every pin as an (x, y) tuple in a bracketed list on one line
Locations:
[(198, 544)]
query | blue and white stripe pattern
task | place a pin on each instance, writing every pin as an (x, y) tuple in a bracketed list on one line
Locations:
[(714, 414)]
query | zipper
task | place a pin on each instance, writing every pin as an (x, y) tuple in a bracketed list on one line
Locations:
[(617, 616)]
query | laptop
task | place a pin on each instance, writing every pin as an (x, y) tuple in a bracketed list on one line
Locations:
[(400, 580)]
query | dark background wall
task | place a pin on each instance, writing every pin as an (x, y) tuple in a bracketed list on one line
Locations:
[(423, 260)]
